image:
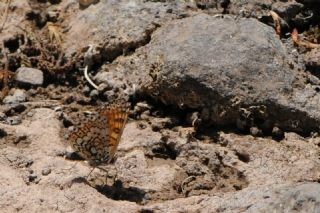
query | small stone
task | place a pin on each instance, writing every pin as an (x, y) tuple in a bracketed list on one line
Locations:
[(94, 93), (29, 76), (145, 115), (32, 92), (17, 97), (58, 109), (109, 94), (46, 171), (14, 120), (277, 133), (87, 3), (103, 87), (255, 131), (193, 119), (30, 114), (142, 106), (66, 120), (86, 90)]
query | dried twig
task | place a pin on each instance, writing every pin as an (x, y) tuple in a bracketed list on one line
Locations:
[(54, 33), (88, 78), (5, 16), (297, 41), (276, 20)]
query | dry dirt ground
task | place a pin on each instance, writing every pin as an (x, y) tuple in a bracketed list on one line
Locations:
[(209, 143)]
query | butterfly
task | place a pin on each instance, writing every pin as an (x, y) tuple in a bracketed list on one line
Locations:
[(97, 139)]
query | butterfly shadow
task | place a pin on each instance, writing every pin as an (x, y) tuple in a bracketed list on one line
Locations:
[(118, 192)]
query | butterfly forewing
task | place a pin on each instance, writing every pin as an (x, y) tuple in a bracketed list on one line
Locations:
[(117, 117)]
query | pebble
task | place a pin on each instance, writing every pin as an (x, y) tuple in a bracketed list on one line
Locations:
[(66, 120), (32, 92), (145, 115), (192, 119), (14, 120), (58, 109), (17, 97), (87, 3), (94, 93), (30, 114), (46, 171), (255, 131), (29, 76), (109, 94), (142, 106), (86, 90)]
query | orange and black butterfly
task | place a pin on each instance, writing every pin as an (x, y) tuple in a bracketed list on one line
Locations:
[(97, 138)]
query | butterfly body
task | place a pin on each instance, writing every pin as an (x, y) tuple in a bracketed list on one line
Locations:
[(97, 139)]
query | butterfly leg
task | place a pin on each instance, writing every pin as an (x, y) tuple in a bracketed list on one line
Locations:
[(90, 173), (72, 167), (115, 177), (106, 171)]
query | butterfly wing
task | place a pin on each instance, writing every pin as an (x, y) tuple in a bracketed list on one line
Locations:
[(117, 115), (89, 137)]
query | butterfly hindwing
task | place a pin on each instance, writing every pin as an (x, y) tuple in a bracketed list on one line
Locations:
[(88, 138)]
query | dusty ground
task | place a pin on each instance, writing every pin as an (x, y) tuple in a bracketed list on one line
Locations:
[(215, 125)]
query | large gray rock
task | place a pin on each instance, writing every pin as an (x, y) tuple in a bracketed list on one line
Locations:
[(230, 70), (234, 71), (29, 76)]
